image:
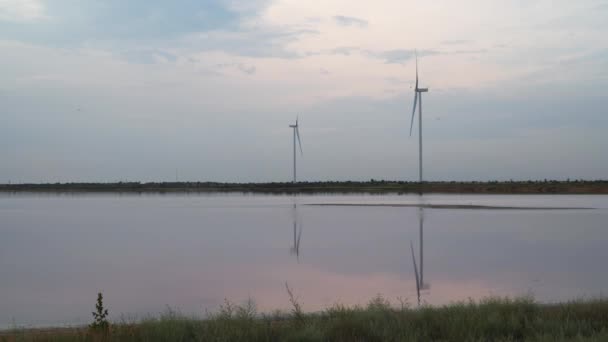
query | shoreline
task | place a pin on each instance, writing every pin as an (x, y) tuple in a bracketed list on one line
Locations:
[(444, 206), (583, 187)]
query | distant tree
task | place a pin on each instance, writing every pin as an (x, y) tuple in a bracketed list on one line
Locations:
[(100, 316)]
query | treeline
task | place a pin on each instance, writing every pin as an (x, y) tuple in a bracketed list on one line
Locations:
[(371, 186)]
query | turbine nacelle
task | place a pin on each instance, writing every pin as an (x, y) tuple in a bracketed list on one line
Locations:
[(422, 90)]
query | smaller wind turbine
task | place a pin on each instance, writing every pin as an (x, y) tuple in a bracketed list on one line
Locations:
[(296, 134), (418, 98)]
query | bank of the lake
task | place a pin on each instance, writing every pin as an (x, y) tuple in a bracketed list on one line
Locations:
[(372, 186), (494, 319)]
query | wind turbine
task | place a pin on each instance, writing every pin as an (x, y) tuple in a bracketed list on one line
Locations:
[(296, 134), (418, 98)]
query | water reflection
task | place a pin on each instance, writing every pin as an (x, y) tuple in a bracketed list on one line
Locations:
[(191, 252), (419, 272), (422, 287), (297, 231)]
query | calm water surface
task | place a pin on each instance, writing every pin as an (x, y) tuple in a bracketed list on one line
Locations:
[(190, 252)]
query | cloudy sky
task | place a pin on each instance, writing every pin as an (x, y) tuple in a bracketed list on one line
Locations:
[(135, 90)]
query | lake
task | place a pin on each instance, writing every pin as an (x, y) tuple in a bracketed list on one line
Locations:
[(191, 251)]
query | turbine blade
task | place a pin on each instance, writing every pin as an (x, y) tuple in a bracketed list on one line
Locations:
[(413, 112), (415, 271), (298, 135)]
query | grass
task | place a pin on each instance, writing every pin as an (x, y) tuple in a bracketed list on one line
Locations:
[(492, 319)]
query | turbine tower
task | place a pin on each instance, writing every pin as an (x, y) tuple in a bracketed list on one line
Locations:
[(296, 134), (418, 98)]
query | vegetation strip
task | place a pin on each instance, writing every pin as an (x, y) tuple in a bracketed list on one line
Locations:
[(493, 319), (372, 186)]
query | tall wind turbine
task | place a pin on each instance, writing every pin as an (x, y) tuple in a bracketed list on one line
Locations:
[(296, 134), (418, 98)]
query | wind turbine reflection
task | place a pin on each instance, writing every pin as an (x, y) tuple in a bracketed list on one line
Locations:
[(297, 231), (419, 271)]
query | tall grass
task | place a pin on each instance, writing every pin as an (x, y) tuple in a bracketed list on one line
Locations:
[(492, 319)]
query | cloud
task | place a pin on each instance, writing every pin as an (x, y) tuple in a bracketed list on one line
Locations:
[(75, 23), (456, 42), (247, 69), (344, 50), (149, 56), (399, 56), (147, 32), (396, 56), (396, 81), (601, 7), (472, 51), (350, 21), (256, 41), (22, 10)]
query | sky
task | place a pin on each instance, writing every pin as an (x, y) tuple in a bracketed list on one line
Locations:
[(205, 90)]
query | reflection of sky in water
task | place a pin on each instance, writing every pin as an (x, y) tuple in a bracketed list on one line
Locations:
[(192, 251)]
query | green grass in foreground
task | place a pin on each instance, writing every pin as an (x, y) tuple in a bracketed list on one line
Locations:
[(493, 319)]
